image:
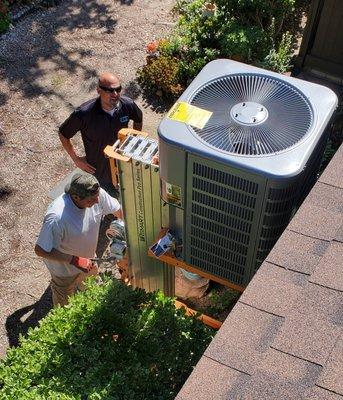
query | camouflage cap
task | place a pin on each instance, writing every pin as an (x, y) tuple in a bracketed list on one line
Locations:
[(83, 185)]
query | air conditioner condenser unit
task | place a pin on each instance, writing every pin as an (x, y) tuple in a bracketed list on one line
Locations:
[(239, 151)]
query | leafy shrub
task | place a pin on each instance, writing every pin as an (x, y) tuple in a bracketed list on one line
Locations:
[(110, 342), (221, 300), (329, 152), (5, 20), (336, 135), (160, 74), (279, 60), (260, 32)]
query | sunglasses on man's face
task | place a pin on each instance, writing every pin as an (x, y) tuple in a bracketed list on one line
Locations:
[(110, 90)]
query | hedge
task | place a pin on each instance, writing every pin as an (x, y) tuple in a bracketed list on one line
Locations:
[(110, 342)]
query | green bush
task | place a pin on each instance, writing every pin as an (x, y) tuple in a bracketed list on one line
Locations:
[(160, 75), (259, 32), (336, 135), (279, 60), (221, 300), (111, 342), (5, 20)]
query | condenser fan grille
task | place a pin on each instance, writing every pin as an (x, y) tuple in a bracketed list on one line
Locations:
[(253, 114)]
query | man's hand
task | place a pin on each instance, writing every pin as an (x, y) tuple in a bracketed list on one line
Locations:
[(119, 214), (84, 264), (137, 126), (81, 163)]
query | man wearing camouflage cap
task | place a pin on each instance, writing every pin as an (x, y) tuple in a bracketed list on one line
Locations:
[(69, 235)]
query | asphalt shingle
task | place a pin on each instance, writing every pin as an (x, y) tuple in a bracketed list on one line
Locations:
[(333, 174), (307, 337), (281, 376), (317, 393), (322, 302), (330, 270), (327, 197), (320, 216), (316, 222), (212, 380), (339, 234), (251, 331), (283, 289), (297, 252), (331, 378)]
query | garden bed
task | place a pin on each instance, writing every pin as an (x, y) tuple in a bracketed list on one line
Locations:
[(217, 302), (261, 33), (111, 342)]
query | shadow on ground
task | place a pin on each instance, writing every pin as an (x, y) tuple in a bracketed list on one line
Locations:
[(3, 98), (5, 192), (25, 48), (27, 317), (157, 104), (103, 241), (132, 90), (126, 2)]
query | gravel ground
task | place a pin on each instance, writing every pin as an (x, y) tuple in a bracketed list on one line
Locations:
[(48, 65)]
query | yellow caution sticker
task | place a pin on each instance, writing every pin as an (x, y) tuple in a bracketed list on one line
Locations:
[(189, 114)]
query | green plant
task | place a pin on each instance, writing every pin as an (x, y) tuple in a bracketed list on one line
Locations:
[(57, 81), (189, 8), (110, 342), (181, 6), (161, 75), (221, 301), (260, 32), (329, 152), (5, 19), (171, 47), (244, 44), (279, 60)]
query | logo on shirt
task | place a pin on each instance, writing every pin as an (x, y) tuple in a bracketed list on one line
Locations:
[(124, 119)]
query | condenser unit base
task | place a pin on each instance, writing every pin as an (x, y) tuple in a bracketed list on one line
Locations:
[(171, 260)]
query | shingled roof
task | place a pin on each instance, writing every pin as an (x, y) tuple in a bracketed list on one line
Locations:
[(284, 338)]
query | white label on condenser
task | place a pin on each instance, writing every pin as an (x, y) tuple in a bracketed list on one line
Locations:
[(173, 194)]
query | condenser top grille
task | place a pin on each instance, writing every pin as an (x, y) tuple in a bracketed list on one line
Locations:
[(253, 114)]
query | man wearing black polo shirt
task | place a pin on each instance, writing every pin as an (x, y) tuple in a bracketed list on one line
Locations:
[(99, 121)]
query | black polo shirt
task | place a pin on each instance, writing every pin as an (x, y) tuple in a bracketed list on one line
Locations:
[(99, 129)]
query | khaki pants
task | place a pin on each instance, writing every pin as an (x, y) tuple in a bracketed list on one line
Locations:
[(64, 286)]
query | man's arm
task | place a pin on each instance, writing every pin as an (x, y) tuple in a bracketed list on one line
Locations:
[(118, 214), (137, 125), (137, 117), (83, 264), (54, 254), (80, 162)]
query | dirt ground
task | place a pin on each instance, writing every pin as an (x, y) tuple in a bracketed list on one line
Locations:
[(48, 65)]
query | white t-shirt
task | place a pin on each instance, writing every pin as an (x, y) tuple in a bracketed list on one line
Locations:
[(73, 230), (115, 108)]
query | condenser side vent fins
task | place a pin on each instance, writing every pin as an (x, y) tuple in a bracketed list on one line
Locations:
[(221, 213)]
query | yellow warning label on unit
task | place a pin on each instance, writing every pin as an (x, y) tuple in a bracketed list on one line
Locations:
[(189, 114)]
